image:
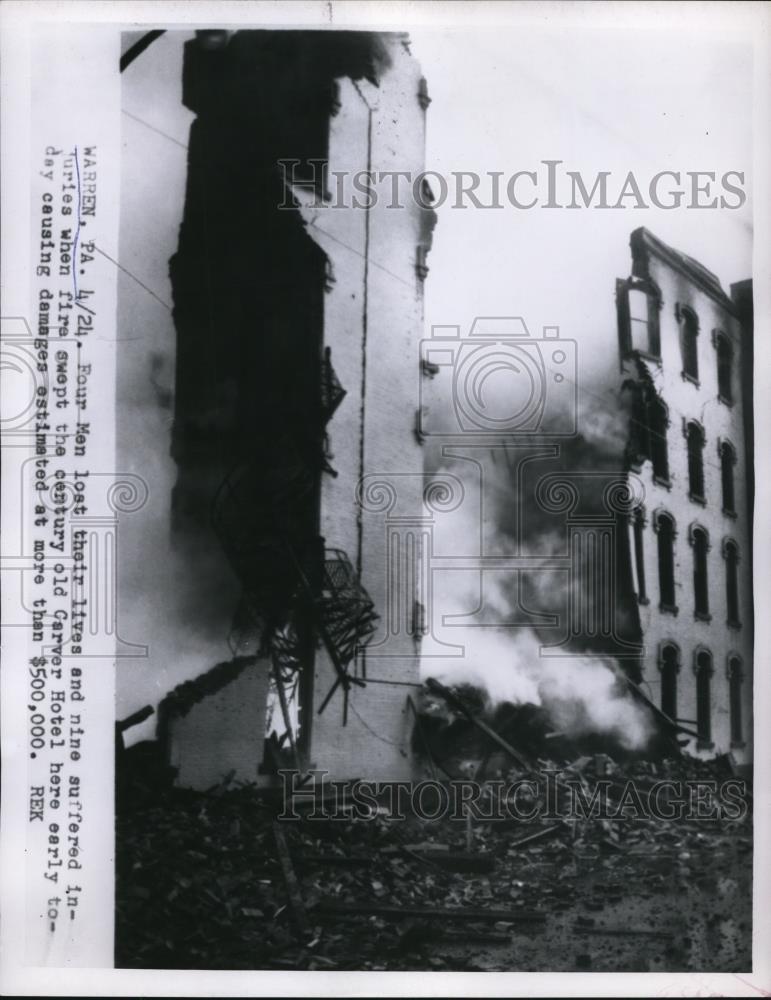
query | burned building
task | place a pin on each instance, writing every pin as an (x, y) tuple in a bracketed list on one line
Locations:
[(298, 322), (686, 363)]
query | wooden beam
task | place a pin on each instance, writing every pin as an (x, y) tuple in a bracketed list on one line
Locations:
[(457, 702), (135, 718), (466, 913), (540, 835), (658, 712), (296, 905)]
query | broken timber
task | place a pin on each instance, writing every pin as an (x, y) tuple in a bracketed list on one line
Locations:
[(292, 886), (445, 913), (458, 861), (672, 723), (541, 835), (457, 703), (622, 931), (132, 720)]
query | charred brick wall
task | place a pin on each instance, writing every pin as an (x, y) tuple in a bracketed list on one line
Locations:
[(688, 433)]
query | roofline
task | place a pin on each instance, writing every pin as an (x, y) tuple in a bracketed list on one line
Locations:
[(643, 242)]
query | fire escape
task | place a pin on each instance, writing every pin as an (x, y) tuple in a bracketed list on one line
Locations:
[(296, 594)]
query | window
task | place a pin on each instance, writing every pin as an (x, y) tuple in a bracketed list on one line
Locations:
[(689, 332), (735, 679), (703, 667), (700, 542), (639, 320), (638, 302), (731, 556), (727, 463), (638, 527), (695, 438), (725, 359), (669, 664), (648, 427), (664, 526), (658, 419)]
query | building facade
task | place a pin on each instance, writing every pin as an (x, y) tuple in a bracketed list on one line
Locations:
[(299, 396), (686, 363)]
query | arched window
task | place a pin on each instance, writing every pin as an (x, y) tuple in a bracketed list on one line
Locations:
[(735, 679), (731, 556), (695, 438), (664, 526), (700, 541), (649, 420), (727, 463), (639, 303), (638, 528), (703, 668), (658, 420), (689, 332), (669, 664), (725, 363)]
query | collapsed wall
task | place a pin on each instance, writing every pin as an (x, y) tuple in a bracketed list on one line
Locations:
[(297, 361)]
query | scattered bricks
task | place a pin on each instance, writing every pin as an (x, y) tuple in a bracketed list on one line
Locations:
[(200, 884)]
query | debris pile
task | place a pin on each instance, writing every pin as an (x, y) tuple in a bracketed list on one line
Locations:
[(218, 881)]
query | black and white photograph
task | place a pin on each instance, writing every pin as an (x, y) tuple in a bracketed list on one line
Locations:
[(383, 434)]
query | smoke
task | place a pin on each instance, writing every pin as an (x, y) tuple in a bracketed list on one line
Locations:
[(501, 617), (581, 695), (176, 595)]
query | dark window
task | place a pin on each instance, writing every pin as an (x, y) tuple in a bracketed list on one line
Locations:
[(700, 542), (657, 425), (666, 539), (731, 553), (727, 463), (695, 437), (639, 554), (703, 696), (649, 420), (670, 665), (735, 697), (725, 360), (689, 332)]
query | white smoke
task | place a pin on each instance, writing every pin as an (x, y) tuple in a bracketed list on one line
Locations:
[(582, 694)]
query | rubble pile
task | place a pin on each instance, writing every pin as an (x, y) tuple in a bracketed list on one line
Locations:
[(216, 881)]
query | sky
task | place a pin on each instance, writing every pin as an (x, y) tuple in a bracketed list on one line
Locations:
[(643, 101)]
